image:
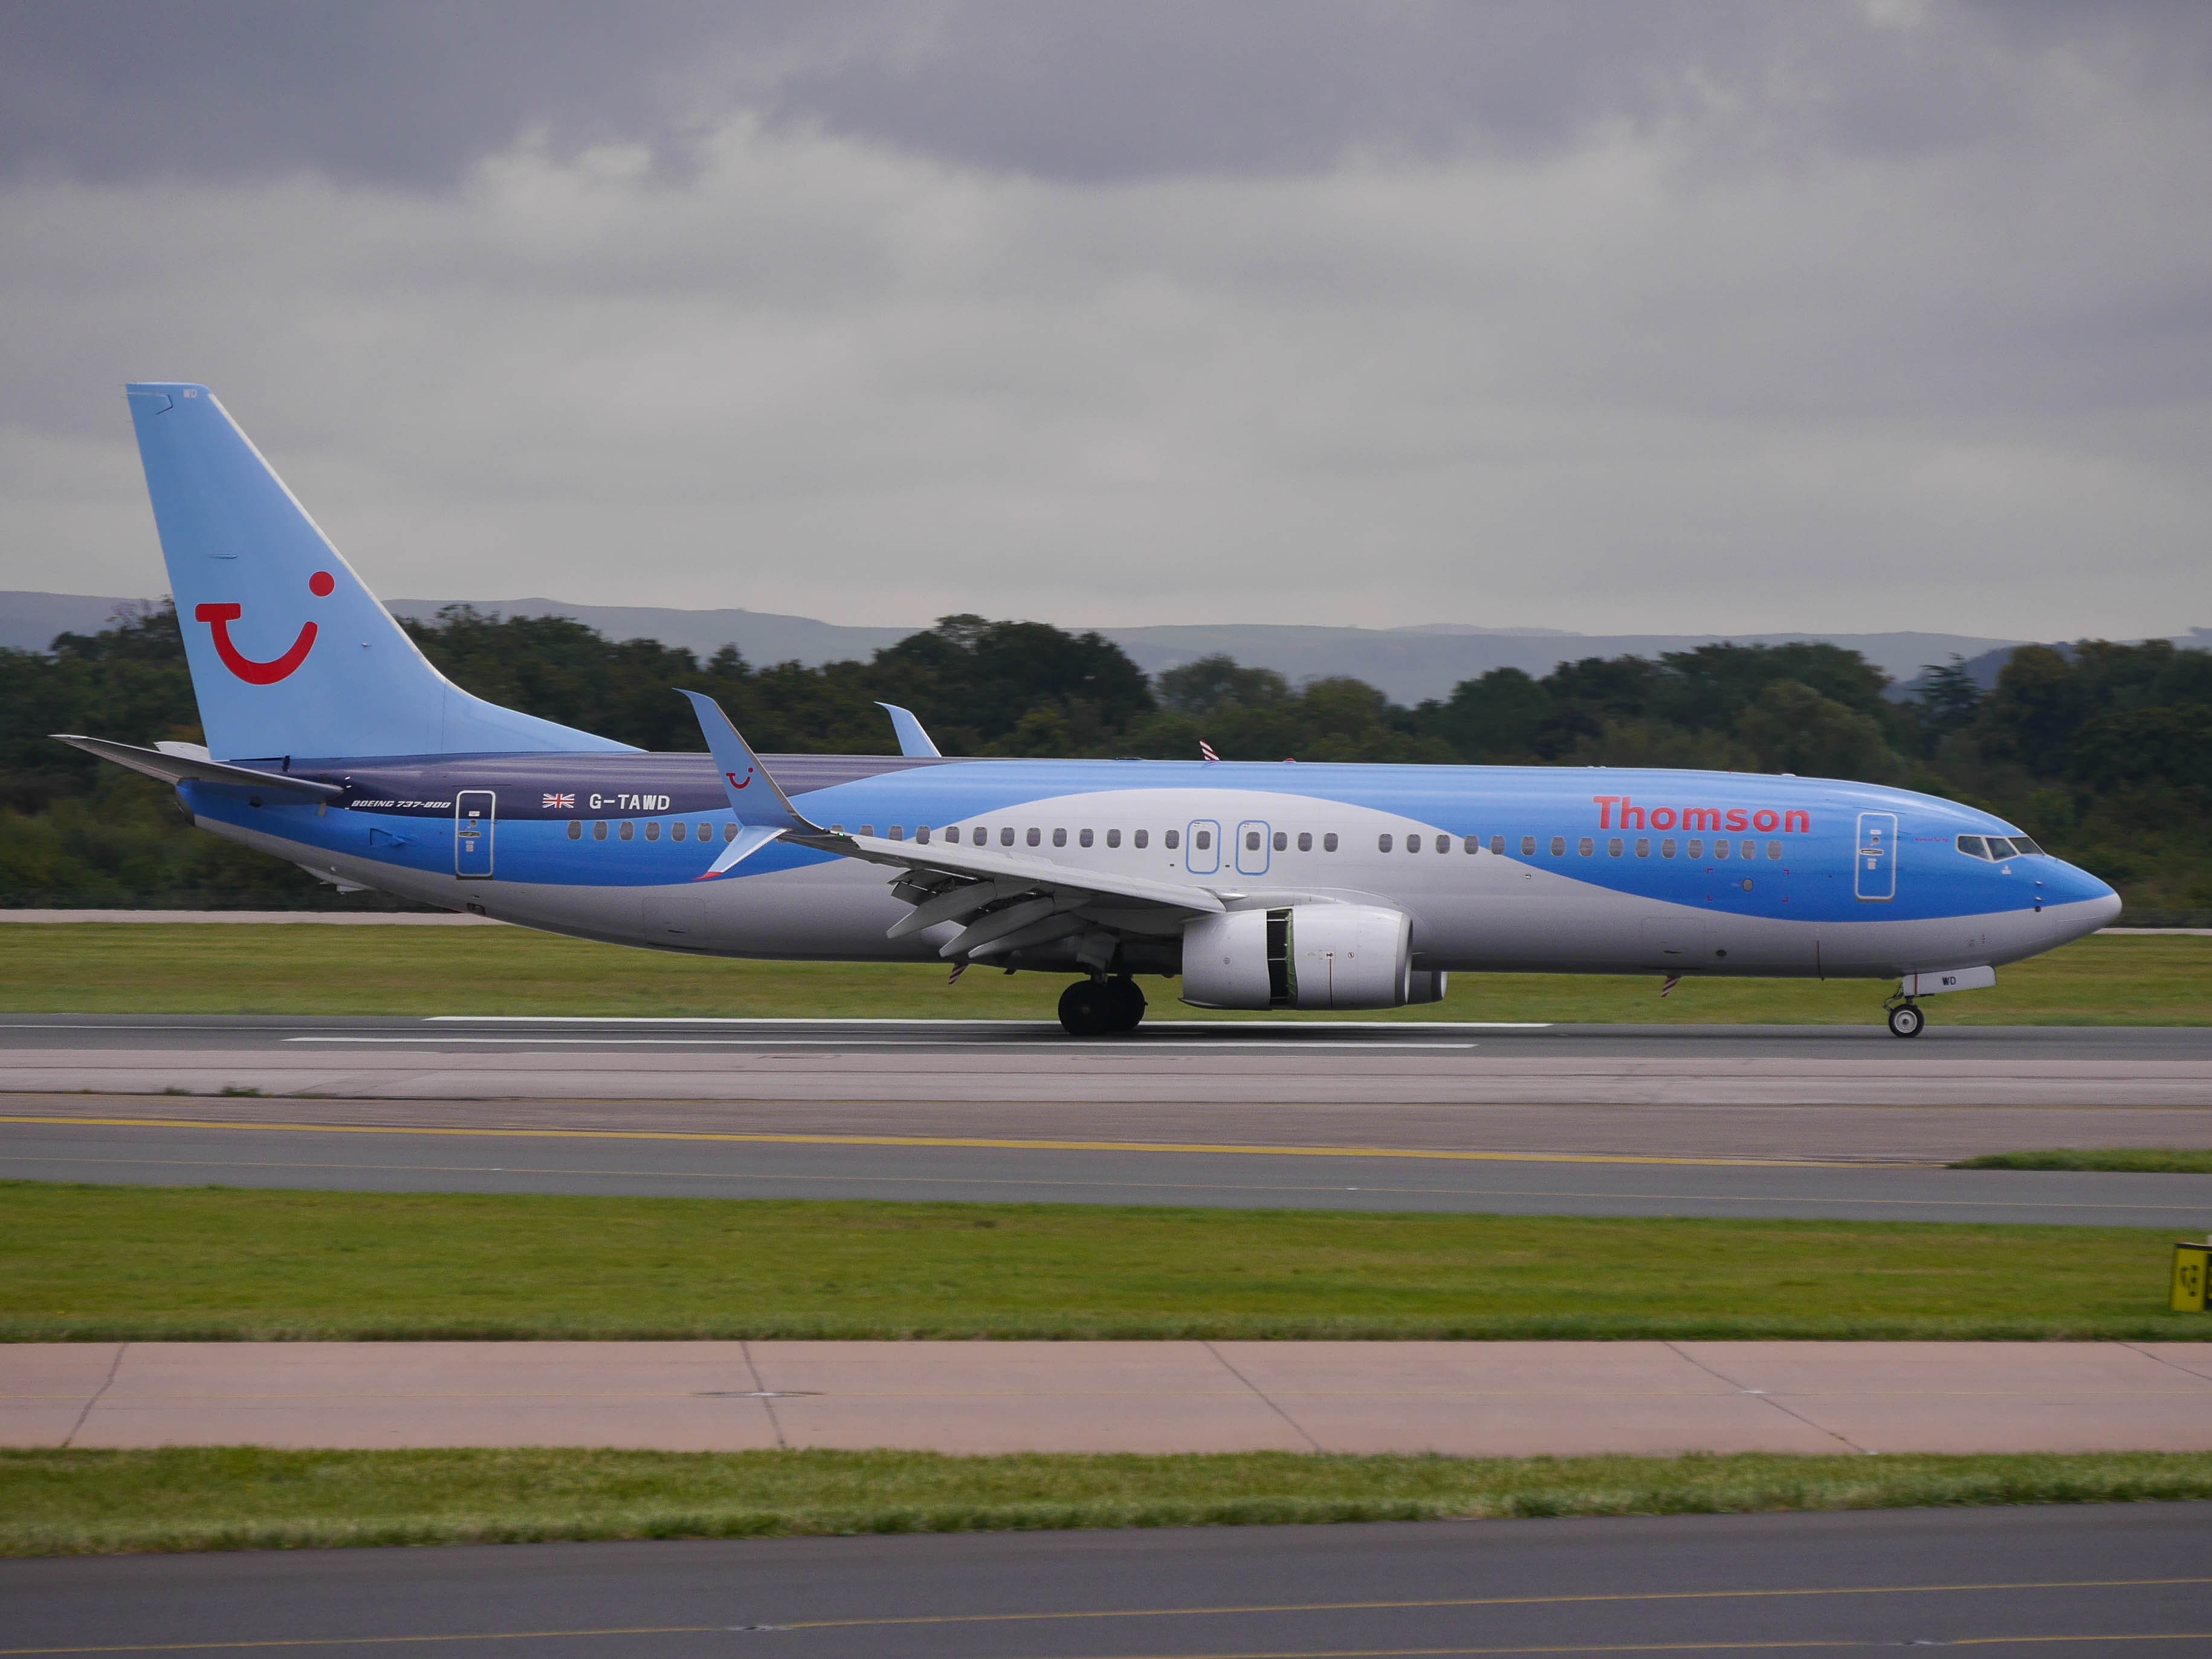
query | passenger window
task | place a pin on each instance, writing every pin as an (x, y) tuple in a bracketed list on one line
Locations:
[(1696, 849), (575, 828), (1060, 838), (1413, 843), (1202, 840), (1140, 836), (1007, 835), (1251, 841), (1282, 841), (1527, 846), (1329, 842), (1383, 843), (652, 830), (1443, 843), (1034, 838), (1558, 846), (921, 834), (678, 830), (1305, 840), (1774, 850), (1084, 838), (1720, 849), (1585, 847), (627, 830), (730, 831), (1666, 849), (1497, 845), (868, 830), (1749, 849), (1114, 838), (1643, 849), (1613, 848), (898, 832), (599, 830), (705, 832)]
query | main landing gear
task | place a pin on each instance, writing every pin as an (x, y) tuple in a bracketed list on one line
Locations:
[(1905, 1020), (1100, 1007)]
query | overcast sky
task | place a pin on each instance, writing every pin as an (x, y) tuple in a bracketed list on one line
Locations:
[(1612, 317)]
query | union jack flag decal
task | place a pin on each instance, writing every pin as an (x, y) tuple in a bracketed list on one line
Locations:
[(560, 803), (1205, 751)]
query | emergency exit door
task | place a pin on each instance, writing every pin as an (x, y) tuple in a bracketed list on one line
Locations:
[(1874, 866), (474, 811)]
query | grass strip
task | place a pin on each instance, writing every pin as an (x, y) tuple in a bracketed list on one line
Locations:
[(2141, 1160), (93, 1263), (233, 1498), (222, 969)]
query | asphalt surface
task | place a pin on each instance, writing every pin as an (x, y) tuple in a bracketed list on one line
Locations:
[(613, 1163), (2135, 1580), (281, 1033), (1760, 1121)]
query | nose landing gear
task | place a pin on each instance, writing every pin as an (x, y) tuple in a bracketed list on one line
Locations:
[(1905, 1020), (1100, 1007)]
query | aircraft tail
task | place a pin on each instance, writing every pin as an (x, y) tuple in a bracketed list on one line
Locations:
[(290, 653)]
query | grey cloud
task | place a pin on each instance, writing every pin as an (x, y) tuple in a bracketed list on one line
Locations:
[(415, 95)]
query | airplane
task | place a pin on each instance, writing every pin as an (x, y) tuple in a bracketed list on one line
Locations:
[(331, 742)]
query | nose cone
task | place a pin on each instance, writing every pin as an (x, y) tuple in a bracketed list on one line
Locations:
[(2088, 903)]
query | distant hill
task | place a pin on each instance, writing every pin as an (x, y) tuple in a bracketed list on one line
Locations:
[(1409, 664)]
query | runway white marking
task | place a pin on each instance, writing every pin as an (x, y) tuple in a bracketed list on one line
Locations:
[(441, 1041), (1000, 1024)]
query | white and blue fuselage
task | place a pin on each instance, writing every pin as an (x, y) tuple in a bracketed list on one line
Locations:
[(334, 744)]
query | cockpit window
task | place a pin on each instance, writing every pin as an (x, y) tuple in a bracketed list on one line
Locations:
[(2022, 844), (1973, 847)]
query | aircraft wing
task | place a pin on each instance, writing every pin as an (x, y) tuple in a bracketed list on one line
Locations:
[(1006, 901)]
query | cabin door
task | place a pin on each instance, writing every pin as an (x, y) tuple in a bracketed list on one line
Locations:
[(1874, 866), (1252, 848), (474, 811)]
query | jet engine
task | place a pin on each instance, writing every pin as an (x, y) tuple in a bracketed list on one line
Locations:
[(1308, 956)]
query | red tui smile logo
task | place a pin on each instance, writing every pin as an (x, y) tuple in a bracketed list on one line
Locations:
[(219, 618)]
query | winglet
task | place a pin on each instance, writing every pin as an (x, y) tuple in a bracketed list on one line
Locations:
[(913, 741), (755, 797)]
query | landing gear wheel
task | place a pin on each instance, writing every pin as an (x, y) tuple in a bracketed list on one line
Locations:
[(1905, 1020), (1125, 1003), (1085, 1009)]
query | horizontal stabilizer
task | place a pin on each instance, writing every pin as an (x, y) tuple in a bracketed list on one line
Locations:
[(177, 768)]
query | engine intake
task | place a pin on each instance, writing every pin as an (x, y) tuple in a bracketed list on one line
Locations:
[(1309, 956)]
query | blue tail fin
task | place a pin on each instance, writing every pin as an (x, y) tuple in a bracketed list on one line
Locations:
[(290, 654)]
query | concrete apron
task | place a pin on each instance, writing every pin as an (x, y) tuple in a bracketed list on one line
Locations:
[(1472, 1399)]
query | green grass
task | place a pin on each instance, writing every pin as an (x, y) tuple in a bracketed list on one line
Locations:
[(138, 1263), (2141, 1160), (74, 1503), (301, 969)]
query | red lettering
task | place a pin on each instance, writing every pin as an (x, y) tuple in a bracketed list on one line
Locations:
[(1663, 817), (1763, 821), (1738, 819), (1605, 804), (1796, 823), (1629, 812), (1700, 817)]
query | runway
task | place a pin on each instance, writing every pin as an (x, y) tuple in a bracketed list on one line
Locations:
[(2129, 1579), (336, 1145), (1820, 1122), (1262, 1062)]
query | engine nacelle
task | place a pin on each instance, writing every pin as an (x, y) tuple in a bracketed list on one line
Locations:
[(1309, 956)]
